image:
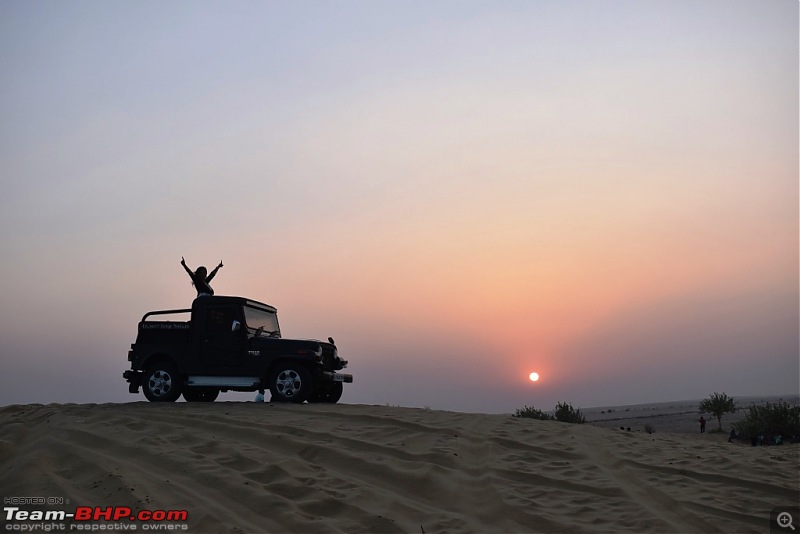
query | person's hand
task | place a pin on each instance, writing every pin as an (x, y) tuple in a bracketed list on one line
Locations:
[(220, 264), (183, 262)]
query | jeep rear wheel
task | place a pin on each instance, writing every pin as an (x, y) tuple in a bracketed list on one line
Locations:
[(200, 394), (290, 383), (161, 383)]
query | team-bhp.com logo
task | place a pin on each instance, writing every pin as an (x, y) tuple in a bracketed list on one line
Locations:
[(87, 518)]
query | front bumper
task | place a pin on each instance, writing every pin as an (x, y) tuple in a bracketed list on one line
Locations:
[(337, 377)]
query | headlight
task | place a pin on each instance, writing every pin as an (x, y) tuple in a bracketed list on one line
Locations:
[(317, 353)]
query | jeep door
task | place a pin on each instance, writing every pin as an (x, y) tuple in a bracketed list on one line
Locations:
[(220, 345)]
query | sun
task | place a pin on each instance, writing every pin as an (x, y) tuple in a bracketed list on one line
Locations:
[(534, 377)]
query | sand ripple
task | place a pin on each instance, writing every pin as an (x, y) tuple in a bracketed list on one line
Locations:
[(311, 468)]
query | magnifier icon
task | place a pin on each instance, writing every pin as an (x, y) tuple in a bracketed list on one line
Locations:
[(785, 520)]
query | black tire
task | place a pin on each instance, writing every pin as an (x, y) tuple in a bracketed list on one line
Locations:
[(334, 393), (200, 394), (330, 393), (290, 382), (162, 383)]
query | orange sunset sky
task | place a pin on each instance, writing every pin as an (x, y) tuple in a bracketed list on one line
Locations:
[(460, 193)]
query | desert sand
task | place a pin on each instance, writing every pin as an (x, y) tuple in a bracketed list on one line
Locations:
[(248, 467)]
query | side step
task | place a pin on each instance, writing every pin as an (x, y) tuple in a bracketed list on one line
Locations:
[(223, 381)]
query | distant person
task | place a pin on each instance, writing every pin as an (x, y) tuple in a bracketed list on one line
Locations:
[(201, 278), (702, 422), (732, 435)]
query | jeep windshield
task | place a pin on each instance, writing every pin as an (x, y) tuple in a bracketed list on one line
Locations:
[(262, 321)]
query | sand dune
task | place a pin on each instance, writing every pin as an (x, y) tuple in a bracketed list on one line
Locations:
[(246, 467)]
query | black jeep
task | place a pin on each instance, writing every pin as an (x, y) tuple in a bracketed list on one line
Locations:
[(230, 344)]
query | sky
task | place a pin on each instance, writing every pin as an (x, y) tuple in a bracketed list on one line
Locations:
[(459, 192)]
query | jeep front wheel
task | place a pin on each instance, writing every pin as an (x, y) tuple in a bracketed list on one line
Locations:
[(328, 393), (290, 383), (161, 383)]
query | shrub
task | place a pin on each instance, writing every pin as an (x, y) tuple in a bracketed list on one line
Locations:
[(769, 420), (649, 428), (565, 413), (718, 404), (532, 413)]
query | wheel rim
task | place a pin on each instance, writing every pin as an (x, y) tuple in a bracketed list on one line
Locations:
[(160, 383), (288, 383)]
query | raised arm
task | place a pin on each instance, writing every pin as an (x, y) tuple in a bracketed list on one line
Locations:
[(212, 273), (188, 270)]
